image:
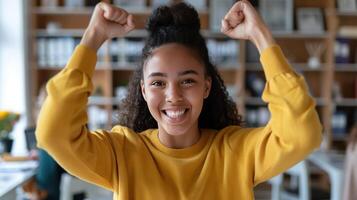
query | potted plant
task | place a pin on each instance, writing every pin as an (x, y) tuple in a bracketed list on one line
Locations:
[(7, 122)]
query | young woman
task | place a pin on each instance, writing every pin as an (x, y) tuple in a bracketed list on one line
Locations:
[(179, 135)]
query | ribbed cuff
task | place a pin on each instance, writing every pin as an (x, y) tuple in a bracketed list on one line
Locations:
[(274, 62), (84, 59)]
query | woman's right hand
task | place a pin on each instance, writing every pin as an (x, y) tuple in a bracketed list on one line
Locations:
[(107, 21)]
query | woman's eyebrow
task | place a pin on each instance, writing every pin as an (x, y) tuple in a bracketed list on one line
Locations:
[(157, 74), (160, 74), (188, 72)]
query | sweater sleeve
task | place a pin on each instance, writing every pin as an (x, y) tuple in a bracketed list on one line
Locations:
[(61, 128), (294, 129)]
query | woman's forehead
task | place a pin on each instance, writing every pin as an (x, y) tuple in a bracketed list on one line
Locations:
[(175, 51), (173, 58)]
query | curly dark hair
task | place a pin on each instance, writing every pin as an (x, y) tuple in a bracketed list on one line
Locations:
[(178, 23)]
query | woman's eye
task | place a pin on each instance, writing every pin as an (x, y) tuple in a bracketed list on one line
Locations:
[(157, 83), (188, 82)]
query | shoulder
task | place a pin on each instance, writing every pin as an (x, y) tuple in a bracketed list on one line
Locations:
[(122, 130), (130, 136)]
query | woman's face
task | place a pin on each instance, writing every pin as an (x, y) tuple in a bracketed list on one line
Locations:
[(174, 86)]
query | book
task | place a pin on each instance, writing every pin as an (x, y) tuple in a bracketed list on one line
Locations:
[(339, 123), (41, 52), (130, 3), (347, 31), (49, 3), (198, 4), (223, 53), (55, 52), (342, 50), (217, 11), (74, 3)]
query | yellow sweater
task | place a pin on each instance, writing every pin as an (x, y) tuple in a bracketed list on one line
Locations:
[(223, 164)]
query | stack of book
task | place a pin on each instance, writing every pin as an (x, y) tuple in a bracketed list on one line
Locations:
[(223, 52)]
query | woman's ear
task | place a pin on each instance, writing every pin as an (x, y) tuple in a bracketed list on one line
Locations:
[(142, 85), (208, 84)]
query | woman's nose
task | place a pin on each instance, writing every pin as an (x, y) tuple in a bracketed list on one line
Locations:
[(174, 94)]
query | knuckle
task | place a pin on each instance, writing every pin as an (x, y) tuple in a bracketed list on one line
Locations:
[(99, 4), (111, 9), (123, 13), (115, 13)]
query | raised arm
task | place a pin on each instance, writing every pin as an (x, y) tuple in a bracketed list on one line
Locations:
[(294, 129), (61, 128), (243, 22), (106, 22)]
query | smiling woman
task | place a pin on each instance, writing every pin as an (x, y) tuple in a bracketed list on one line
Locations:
[(179, 136), (175, 45), (174, 86)]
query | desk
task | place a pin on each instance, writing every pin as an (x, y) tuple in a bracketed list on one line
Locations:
[(333, 163), (14, 174)]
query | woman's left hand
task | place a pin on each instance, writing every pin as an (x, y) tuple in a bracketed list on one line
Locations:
[(243, 22)]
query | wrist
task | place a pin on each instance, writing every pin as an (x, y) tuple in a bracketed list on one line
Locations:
[(92, 39), (262, 39)]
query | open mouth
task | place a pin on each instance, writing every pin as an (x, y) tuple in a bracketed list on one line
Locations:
[(175, 115)]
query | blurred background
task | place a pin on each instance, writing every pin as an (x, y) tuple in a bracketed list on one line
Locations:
[(318, 37)]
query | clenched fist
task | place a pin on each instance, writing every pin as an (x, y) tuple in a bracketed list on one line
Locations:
[(107, 21), (243, 22)]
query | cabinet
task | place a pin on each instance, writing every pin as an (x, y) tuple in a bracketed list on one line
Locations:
[(56, 29)]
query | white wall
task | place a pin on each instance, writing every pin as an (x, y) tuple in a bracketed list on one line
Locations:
[(12, 66)]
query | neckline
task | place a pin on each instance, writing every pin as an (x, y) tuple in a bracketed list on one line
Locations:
[(184, 152)]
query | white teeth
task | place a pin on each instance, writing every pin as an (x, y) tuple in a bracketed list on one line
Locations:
[(175, 114)]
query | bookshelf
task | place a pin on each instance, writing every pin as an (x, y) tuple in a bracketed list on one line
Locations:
[(333, 82)]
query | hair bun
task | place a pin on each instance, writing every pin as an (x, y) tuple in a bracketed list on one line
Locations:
[(178, 16)]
